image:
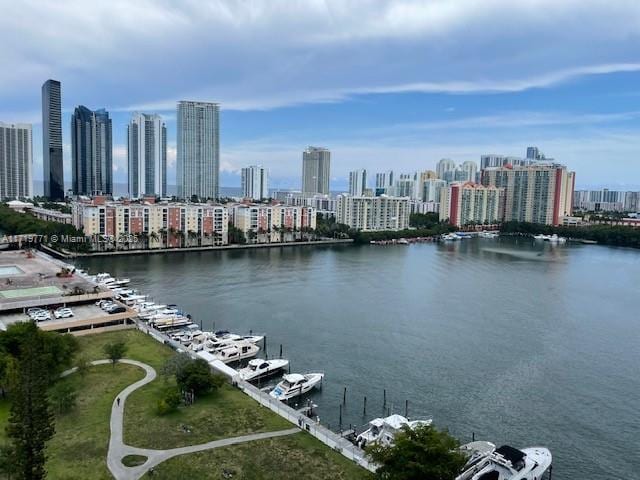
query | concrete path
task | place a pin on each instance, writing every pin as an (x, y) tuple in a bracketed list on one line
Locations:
[(118, 450)]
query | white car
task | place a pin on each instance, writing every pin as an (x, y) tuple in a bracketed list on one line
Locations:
[(35, 312), (41, 317), (63, 313)]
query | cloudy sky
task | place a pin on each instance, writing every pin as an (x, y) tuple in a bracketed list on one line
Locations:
[(384, 84)]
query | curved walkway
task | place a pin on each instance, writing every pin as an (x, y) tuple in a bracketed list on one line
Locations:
[(118, 449)]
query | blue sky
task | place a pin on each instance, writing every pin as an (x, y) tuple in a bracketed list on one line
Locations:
[(397, 84)]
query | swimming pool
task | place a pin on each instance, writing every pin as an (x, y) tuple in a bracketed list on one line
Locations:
[(8, 270)]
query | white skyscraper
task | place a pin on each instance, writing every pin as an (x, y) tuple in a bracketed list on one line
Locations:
[(384, 183), (16, 159), (255, 182), (147, 155), (357, 182), (316, 171), (446, 169), (469, 170), (198, 158)]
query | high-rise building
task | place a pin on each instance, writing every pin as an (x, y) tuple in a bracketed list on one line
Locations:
[(431, 190), (405, 185), (384, 183), (534, 153), (537, 193), (373, 213), (255, 182), (316, 171), (469, 203), (357, 182), (52, 162), (198, 158), (468, 171), (445, 169), (91, 152), (16, 160), (493, 161), (147, 155)]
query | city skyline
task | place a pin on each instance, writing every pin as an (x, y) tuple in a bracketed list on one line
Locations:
[(577, 104)]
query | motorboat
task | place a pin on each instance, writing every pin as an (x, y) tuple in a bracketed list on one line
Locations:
[(449, 237), (258, 368), (550, 238), (476, 452), (383, 431), (509, 463), (485, 234), (295, 384), (237, 351)]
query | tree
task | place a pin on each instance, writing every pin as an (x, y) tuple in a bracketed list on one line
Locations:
[(424, 453), (31, 422), (115, 351), (196, 376), (63, 397)]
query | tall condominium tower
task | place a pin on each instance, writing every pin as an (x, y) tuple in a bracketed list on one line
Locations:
[(538, 193), (357, 182), (255, 182), (16, 158), (147, 155), (445, 169), (384, 183), (52, 163), (91, 152), (198, 160), (316, 170)]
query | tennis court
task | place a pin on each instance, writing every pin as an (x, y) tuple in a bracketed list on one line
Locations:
[(30, 292)]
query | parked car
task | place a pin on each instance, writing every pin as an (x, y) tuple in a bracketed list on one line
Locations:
[(41, 317), (63, 313), (117, 309), (35, 312)]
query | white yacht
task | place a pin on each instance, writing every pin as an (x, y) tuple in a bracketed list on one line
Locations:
[(258, 368), (384, 430), (450, 237), (237, 351), (476, 452), (295, 384), (550, 238), (508, 463), (486, 234)]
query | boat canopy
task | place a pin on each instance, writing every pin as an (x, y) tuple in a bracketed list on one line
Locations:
[(293, 377), (514, 455)]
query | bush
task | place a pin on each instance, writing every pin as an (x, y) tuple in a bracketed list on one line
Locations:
[(196, 377), (169, 402)]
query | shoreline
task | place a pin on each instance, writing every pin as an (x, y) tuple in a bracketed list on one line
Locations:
[(70, 255)]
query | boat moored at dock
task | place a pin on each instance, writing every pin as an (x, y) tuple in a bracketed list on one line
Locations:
[(295, 384)]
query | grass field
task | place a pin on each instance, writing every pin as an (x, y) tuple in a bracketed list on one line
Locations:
[(79, 447), (294, 457)]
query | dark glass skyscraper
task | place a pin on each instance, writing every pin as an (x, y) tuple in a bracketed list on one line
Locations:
[(91, 150), (53, 174)]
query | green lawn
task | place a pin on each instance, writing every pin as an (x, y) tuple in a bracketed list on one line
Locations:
[(224, 413), (294, 457), (79, 448)]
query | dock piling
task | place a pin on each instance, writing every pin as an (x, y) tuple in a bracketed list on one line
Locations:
[(344, 396), (364, 406), (406, 408)]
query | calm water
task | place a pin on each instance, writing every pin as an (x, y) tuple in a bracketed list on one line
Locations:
[(520, 343)]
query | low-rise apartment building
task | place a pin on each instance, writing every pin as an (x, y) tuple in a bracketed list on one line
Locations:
[(373, 213), (273, 223), (154, 225)]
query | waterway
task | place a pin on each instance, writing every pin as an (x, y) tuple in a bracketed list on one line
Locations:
[(517, 342)]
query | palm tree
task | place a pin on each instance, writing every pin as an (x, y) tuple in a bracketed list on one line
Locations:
[(154, 237)]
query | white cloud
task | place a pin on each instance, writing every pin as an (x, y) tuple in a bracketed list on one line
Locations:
[(267, 54)]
